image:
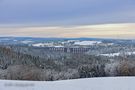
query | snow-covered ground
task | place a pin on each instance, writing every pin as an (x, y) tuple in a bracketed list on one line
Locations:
[(117, 54), (111, 83), (26, 41), (58, 46), (87, 42), (111, 54), (43, 44), (39, 45), (76, 42)]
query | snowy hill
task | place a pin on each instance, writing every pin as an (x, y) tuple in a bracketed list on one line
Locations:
[(112, 83)]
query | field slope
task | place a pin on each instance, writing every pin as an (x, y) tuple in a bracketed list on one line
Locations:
[(111, 83)]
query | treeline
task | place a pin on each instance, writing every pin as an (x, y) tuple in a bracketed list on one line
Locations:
[(15, 65)]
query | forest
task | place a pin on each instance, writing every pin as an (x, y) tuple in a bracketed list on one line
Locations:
[(29, 63)]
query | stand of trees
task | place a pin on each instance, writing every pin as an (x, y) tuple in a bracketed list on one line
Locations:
[(17, 65)]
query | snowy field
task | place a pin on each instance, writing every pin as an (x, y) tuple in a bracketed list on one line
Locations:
[(115, 83), (87, 42), (117, 54)]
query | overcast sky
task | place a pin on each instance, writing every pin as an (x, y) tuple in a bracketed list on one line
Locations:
[(66, 12), (68, 18)]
